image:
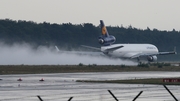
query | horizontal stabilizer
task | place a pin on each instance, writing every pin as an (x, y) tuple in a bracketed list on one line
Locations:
[(114, 48), (94, 48)]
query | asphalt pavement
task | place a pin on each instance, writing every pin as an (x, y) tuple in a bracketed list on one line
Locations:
[(62, 86)]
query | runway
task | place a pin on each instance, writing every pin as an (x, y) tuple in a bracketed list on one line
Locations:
[(62, 86)]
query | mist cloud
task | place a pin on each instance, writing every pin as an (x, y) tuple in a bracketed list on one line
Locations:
[(18, 54)]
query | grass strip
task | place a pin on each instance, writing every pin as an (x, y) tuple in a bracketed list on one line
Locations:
[(157, 81), (38, 69)]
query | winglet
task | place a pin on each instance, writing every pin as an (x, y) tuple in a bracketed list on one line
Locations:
[(57, 48), (175, 50)]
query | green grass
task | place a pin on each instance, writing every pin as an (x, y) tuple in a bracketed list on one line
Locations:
[(157, 81), (37, 69)]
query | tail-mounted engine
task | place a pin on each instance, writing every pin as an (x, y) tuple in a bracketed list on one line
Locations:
[(106, 40), (152, 58)]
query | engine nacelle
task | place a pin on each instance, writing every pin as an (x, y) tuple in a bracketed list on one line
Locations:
[(152, 58), (106, 40)]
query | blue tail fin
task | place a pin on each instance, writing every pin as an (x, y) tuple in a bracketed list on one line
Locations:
[(105, 39), (104, 31)]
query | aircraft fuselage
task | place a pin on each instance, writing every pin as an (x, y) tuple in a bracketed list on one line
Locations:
[(129, 50)]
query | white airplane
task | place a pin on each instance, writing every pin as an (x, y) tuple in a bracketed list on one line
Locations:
[(147, 52)]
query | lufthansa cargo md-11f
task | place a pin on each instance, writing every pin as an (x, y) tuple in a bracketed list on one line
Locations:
[(139, 52)]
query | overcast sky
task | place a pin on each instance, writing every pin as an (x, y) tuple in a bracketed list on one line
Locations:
[(159, 14)]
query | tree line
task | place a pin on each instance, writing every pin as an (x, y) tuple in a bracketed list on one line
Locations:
[(74, 35)]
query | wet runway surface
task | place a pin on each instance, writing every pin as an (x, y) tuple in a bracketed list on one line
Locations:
[(62, 86)]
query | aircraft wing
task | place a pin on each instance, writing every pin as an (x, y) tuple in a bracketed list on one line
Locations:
[(166, 53)]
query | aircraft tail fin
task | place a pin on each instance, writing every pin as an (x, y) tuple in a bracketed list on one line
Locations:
[(104, 31), (105, 39)]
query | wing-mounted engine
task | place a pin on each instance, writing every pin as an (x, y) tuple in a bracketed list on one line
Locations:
[(152, 58), (106, 40)]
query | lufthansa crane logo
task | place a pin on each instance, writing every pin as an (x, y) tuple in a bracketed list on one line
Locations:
[(104, 30)]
